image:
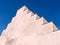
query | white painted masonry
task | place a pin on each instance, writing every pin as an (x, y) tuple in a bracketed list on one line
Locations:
[(27, 28)]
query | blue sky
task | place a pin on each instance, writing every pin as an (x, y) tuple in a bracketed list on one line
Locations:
[(50, 9)]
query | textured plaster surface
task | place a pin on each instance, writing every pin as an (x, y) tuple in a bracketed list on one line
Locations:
[(27, 28)]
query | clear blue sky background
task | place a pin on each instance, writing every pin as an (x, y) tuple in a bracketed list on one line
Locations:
[(50, 9)]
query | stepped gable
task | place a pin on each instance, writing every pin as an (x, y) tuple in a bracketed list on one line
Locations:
[(27, 28), (25, 18)]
